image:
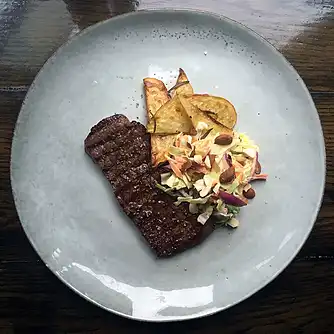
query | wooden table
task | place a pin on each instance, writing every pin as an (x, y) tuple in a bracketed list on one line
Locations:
[(32, 300)]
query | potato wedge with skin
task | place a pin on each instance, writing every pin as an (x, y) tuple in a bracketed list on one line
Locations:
[(156, 95), (216, 107), (171, 118), (203, 147), (196, 115), (180, 89)]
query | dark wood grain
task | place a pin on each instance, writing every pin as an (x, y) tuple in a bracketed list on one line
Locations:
[(302, 30), (299, 299), (32, 300)]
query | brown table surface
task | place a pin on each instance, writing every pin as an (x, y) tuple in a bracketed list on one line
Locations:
[(32, 300)]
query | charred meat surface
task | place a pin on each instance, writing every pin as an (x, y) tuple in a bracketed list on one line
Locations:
[(122, 150)]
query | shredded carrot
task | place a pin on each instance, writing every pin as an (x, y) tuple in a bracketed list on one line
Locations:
[(259, 177), (212, 158), (199, 168), (183, 163), (175, 168)]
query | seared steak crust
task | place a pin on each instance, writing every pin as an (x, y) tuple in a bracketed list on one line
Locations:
[(122, 150)]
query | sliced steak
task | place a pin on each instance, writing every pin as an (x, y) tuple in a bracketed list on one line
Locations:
[(122, 150)]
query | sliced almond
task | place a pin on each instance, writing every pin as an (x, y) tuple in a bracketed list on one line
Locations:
[(207, 162), (198, 159), (205, 191)]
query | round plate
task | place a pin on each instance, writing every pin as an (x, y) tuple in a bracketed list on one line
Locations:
[(67, 207)]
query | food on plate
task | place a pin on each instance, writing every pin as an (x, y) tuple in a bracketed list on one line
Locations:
[(211, 167), (156, 95), (182, 86), (183, 175), (216, 107), (199, 117), (122, 150), (171, 118), (159, 148), (216, 179)]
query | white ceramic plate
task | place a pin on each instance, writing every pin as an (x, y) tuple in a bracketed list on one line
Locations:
[(67, 207)]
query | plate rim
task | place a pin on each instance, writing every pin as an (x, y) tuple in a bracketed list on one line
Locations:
[(247, 30)]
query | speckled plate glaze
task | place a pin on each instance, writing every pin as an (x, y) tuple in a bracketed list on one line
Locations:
[(69, 212)]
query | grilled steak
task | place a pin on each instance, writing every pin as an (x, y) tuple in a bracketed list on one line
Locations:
[(122, 150)]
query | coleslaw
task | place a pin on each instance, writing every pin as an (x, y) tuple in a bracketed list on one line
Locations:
[(212, 177)]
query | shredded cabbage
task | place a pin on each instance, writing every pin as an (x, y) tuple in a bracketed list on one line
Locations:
[(200, 181), (233, 222), (174, 182), (222, 218), (230, 188), (220, 205), (193, 208), (204, 217), (244, 144), (192, 200), (177, 151), (187, 182), (164, 178), (169, 191)]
